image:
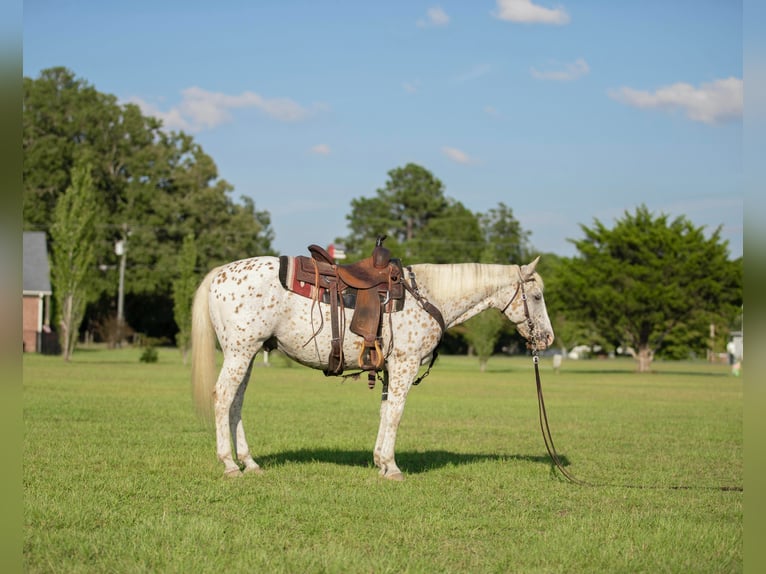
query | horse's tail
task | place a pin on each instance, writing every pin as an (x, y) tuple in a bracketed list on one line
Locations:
[(203, 339)]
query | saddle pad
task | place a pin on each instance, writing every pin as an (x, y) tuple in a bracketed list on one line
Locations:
[(288, 279)]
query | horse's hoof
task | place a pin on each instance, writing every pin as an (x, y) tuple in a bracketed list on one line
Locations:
[(253, 470), (232, 473), (396, 476)]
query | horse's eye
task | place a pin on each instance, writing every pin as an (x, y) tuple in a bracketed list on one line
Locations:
[(538, 297)]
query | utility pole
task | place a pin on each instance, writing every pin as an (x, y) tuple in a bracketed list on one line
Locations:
[(121, 249)]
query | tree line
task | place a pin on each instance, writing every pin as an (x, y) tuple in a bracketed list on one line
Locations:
[(649, 285), (152, 189)]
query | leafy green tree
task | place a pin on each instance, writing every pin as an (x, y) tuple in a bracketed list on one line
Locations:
[(504, 239), (153, 185), (648, 280), (184, 287), (410, 200), (421, 224), (73, 255), (482, 333), (453, 236), (66, 120), (570, 330)]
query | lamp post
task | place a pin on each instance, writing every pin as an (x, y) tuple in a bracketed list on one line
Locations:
[(120, 249)]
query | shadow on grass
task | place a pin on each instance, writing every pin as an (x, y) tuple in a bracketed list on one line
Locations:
[(409, 461)]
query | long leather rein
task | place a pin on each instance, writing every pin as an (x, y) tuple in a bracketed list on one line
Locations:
[(543, 415)]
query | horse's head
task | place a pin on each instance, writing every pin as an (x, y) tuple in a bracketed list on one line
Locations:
[(531, 320)]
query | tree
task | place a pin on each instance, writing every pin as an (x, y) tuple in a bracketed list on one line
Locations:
[(184, 287), (504, 239), (421, 224), (452, 236), (649, 280), (482, 332), (569, 329), (73, 254), (156, 186)]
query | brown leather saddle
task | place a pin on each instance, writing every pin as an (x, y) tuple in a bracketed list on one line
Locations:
[(371, 286)]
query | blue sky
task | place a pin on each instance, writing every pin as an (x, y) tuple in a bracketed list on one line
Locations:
[(565, 111)]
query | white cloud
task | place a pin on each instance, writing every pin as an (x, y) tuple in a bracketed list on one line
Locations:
[(200, 109), (435, 17), (410, 87), (321, 149), (526, 12), (171, 120), (473, 74), (457, 155), (564, 73), (710, 103)]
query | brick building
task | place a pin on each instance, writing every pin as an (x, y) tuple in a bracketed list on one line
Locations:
[(36, 294)]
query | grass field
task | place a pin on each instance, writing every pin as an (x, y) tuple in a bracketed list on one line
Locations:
[(119, 475)]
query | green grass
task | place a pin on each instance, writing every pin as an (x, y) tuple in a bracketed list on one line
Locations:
[(119, 475)]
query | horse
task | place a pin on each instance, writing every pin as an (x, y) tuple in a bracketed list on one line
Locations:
[(245, 307)]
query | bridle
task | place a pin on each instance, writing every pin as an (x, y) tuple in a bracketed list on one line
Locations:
[(543, 415)]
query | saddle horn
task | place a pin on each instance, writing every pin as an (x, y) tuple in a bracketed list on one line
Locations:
[(381, 256)]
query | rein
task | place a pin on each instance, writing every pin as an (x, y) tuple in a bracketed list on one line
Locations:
[(543, 415)]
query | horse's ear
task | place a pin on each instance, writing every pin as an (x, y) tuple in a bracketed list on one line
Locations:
[(528, 270)]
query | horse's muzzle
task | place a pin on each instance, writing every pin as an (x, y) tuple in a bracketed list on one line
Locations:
[(542, 341)]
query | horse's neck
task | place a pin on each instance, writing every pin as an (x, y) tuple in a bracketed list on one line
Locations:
[(463, 290)]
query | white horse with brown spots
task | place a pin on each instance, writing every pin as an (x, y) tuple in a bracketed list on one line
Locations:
[(244, 305)]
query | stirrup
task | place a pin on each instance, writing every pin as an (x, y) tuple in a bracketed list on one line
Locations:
[(369, 365)]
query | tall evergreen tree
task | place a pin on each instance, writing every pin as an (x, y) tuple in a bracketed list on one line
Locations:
[(73, 256)]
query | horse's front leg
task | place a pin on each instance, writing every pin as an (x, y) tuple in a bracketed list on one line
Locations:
[(399, 376)]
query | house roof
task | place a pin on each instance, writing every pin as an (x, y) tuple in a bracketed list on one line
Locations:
[(37, 276)]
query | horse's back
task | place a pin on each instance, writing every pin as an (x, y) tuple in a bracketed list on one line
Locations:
[(245, 298), (243, 268)]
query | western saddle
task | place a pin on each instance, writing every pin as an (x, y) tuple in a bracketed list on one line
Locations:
[(370, 286)]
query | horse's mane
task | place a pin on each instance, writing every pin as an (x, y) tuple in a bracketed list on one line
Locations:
[(447, 280)]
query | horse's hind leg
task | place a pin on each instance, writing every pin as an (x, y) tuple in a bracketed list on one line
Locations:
[(238, 429), (228, 409)]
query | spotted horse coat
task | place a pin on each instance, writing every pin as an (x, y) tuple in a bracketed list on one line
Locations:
[(243, 305)]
